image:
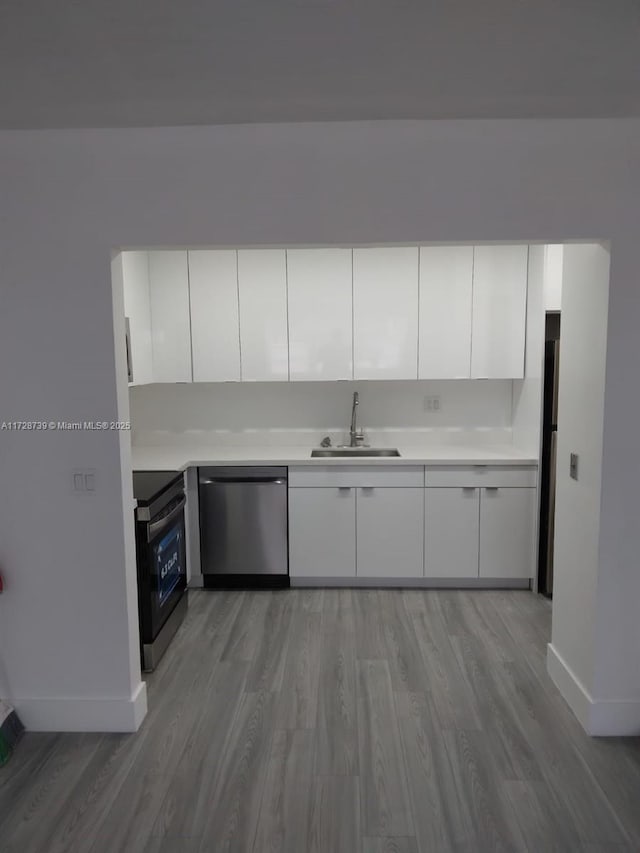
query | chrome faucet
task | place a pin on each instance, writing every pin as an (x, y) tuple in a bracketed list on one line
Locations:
[(356, 436)]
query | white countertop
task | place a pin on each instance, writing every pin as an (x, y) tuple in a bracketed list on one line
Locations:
[(178, 458)]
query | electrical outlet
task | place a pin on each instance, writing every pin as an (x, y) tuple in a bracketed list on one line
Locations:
[(432, 404)]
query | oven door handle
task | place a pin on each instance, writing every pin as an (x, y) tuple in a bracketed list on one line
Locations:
[(154, 528)]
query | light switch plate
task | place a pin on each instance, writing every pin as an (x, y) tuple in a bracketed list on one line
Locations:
[(573, 466), (83, 481)]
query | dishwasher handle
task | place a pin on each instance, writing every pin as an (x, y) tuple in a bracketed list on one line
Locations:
[(210, 481)]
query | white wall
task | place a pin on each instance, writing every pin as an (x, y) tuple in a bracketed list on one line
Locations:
[(580, 430), (616, 684), (302, 412), (69, 198), (69, 612)]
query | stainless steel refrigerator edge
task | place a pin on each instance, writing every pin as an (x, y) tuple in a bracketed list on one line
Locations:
[(243, 527)]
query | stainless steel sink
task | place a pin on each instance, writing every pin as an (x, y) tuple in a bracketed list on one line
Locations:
[(338, 452)]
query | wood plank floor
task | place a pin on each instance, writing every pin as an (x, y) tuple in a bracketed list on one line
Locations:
[(322, 721)]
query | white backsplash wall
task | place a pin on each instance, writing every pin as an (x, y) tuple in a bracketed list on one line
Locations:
[(300, 413)]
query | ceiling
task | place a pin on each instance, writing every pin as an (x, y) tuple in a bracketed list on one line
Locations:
[(113, 63)]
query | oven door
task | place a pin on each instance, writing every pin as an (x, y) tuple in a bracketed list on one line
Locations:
[(163, 571)]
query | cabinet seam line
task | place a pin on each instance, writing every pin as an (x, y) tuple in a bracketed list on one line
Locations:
[(286, 292), (190, 324), (355, 544), (424, 527), (418, 341), (353, 329), (153, 371), (479, 513), (239, 319), (526, 314), (473, 282)]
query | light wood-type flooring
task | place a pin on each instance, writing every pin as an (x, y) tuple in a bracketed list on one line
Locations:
[(322, 721)]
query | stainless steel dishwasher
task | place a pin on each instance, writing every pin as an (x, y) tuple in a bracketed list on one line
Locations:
[(243, 527)]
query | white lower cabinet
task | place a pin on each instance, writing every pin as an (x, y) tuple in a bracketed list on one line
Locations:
[(322, 532), (452, 529), (328, 527), (507, 532), (390, 532), (479, 532), (368, 523)]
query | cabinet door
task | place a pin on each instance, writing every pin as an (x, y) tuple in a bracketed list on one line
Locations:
[(446, 275), (452, 519), (385, 313), (170, 325), (262, 288), (322, 533), (507, 530), (137, 309), (499, 312), (319, 285), (215, 331), (390, 532)]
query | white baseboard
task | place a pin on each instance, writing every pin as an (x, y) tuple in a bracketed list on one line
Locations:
[(619, 718), (598, 717), (414, 583), (574, 693), (84, 715)]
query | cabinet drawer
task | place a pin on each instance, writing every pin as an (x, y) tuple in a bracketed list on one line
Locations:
[(482, 475), (323, 476)]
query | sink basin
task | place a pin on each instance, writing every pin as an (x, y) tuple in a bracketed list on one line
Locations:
[(338, 452)]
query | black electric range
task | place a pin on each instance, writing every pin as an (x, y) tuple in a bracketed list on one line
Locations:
[(161, 560)]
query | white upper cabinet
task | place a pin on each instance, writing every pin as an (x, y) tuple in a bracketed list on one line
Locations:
[(137, 310), (262, 288), (446, 283), (499, 312), (385, 313), (215, 339), (320, 314), (441, 312), (170, 323)]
